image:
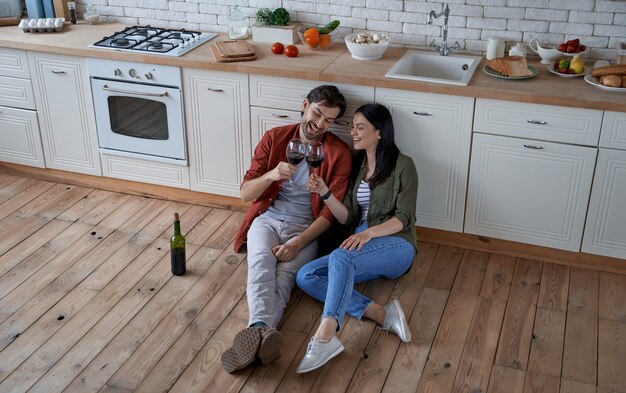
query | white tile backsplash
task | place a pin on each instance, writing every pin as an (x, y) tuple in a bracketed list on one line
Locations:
[(601, 24)]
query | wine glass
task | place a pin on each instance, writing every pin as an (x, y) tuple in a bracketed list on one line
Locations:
[(314, 154), (295, 155)]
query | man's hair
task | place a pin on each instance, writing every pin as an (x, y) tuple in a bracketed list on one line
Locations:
[(329, 96)]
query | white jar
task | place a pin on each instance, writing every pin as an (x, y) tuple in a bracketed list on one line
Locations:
[(495, 48), (518, 49)]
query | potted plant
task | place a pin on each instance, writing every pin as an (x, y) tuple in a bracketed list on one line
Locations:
[(274, 26)]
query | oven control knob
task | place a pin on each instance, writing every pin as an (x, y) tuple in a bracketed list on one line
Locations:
[(132, 72), (149, 75), (117, 72)]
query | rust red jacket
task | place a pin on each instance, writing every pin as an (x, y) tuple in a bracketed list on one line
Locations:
[(335, 170)]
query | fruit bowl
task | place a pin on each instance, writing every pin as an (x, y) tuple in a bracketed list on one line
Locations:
[(571, 48), (551, 69), (325, 42), (366, 50)]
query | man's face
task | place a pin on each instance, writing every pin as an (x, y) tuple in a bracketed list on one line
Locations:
[(316, 120)]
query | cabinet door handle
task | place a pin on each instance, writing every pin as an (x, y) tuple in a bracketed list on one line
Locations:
[(280, 116), (215, 90), (342, 123), (58, 72), (541, 122), (536, 147), (423, 113)]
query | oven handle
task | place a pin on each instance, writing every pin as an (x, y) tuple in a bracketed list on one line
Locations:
[(107, 88)]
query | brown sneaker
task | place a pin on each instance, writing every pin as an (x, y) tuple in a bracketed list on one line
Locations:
[(271, 343), (243, 352)]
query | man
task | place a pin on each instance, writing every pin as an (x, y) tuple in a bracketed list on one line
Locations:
[(282, 225)]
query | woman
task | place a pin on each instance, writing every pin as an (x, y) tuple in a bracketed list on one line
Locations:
[(380, 206)]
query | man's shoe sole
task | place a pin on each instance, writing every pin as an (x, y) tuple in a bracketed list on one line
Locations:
[(271, 343), (244, 350)]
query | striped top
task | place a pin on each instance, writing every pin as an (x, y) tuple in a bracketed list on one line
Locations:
[(363, 199)]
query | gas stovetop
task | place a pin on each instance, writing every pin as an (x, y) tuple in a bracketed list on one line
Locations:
[(154, 40)]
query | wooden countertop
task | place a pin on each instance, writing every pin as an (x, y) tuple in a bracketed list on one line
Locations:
[(332, 65)]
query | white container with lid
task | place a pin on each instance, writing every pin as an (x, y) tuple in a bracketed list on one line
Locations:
[(495, 48), (518, 49)]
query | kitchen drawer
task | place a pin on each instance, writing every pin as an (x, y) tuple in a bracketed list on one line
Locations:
[(16, 92), (145, 171), (264, 119), (544, 122), (288, 94), (13, 62), (613, 133)]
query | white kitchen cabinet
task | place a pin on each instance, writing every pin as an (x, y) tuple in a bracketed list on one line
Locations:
[(264, 119), (217, 115), (278, 101), (435, 130), (20, 141), (65, 112), (530, 182), (529, 191), (605, 231)]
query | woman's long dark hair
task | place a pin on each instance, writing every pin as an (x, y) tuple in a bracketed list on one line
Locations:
[(386, 152)]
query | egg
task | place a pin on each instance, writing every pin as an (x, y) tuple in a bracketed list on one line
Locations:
[(58, 23), (32, 23), (23, 23)]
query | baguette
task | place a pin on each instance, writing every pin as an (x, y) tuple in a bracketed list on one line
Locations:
[(615, 69)]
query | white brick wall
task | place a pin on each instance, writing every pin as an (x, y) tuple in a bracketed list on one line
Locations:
[(600, 24)]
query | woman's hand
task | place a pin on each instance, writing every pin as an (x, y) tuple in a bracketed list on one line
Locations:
[(357, 240), (288, 251), (316, 184)]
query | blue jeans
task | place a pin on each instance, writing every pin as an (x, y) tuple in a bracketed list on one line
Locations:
[(331, 278)]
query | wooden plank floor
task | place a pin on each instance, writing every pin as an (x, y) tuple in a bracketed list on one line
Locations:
[(88, 304)]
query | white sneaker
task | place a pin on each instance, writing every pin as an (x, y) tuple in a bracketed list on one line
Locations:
[(396, 322), (318, 353)]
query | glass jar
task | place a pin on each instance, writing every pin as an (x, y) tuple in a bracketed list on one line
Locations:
[(495, 48), (237, 24)]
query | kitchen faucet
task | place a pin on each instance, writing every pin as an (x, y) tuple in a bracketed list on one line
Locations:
[(443, 49)]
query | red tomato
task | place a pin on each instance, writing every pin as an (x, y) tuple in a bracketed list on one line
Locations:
[(291, 50), (278, 48)]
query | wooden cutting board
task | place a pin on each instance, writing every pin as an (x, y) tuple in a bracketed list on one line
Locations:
[(234, 48), (220, 58)]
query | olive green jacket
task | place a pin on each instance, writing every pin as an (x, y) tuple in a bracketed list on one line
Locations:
[(394, 197)]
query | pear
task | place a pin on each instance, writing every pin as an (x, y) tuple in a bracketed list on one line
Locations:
[(577, 65)]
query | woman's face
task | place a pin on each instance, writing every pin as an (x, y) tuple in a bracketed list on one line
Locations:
[(364, 135)]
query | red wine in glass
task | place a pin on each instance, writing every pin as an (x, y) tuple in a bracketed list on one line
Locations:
[(315, 154), (296, 152)]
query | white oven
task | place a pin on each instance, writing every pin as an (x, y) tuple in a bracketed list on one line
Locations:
[(139, 110)]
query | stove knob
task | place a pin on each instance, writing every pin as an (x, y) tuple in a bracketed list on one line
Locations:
[(148, 75), (117, 72), (132, 72)]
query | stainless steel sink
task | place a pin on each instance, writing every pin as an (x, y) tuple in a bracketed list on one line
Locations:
[(432, 67)]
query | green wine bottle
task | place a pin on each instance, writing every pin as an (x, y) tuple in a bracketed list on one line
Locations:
[(177, 249)]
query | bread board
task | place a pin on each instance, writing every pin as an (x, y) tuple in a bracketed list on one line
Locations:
[(222, 59), (234, 48)]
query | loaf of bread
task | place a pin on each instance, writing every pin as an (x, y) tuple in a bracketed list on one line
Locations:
[(611, 80), (623, 80), (511, 66), (614, 69)]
